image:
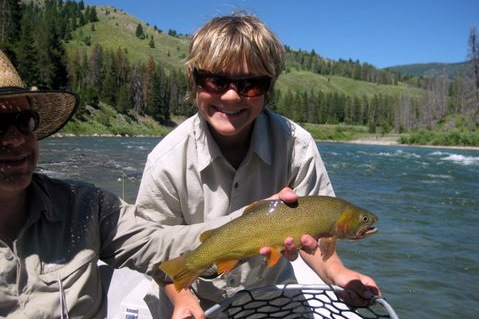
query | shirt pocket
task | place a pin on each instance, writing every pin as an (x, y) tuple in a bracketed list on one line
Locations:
[(68, 271), (79, 289)]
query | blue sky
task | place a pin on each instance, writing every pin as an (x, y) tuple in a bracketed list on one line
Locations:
[(380, 32)]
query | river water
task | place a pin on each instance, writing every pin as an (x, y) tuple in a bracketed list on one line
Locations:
[(425, 257)]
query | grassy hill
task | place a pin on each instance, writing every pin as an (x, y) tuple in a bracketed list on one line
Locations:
[(116, 29), (430, 69), (304, 80)]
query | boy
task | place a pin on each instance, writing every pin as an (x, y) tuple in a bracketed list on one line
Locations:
[(233, 152)]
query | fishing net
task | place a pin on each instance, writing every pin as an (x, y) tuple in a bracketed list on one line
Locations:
[(295, 301)]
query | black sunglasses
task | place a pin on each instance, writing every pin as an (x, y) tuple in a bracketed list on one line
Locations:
[(218, 84), (25, 121)]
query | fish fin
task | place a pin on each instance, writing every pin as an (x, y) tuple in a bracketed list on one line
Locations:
[(274, 257), (176, 270), (254, 206), (225, 266), (327, 245), (205, 235)]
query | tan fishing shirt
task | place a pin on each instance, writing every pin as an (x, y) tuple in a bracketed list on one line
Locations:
[(188, 181), (70, 226)]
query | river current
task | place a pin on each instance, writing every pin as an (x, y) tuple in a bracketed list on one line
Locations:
[(425, 257)]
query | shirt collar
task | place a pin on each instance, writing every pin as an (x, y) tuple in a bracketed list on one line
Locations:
[(208, 150), (261, 138), (41, 202)]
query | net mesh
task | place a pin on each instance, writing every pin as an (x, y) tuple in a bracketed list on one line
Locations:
[(295, 301)]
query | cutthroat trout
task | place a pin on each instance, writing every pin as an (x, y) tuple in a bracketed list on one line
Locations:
[(267, 223)]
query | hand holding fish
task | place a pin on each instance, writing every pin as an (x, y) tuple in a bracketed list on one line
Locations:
[(291, 252)]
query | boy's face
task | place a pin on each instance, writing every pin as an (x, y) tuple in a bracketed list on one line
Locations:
[(18, 151), (229, 114)]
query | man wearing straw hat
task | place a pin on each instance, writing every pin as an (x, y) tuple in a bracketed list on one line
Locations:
[(53, 232)]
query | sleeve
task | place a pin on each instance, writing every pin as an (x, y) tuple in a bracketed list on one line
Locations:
[(159, 202), (128, 240), (158, 199), (309, 173)]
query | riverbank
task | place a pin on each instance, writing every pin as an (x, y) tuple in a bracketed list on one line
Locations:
[(394, 140), (373, 140), (105, 121)]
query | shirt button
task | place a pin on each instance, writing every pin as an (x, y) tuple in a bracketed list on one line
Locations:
[(9, 256), (232, 282), (236, 185)]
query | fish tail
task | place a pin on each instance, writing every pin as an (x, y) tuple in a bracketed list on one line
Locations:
[(177, 270)]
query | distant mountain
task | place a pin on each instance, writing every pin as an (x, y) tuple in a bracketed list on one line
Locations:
[(430, 69)]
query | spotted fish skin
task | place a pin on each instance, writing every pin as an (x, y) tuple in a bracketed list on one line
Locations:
[(267, 223)]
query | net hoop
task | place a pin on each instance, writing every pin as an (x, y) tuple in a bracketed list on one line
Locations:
[(296, 301)]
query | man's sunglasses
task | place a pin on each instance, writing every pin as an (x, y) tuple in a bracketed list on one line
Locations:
[(25, 121), (218, 84)]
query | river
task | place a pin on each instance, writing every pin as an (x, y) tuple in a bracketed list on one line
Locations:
[(425, 257)]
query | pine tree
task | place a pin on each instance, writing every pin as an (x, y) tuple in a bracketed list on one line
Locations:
[(139, 31), (148, 83), (136, 87), (10, 16), (123, 103), (51, 54), (92, 16), (27, 53), (109, 87), (474, 61), (159, 107)]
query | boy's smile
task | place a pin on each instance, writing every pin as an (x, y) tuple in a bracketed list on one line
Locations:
[(229, 114)]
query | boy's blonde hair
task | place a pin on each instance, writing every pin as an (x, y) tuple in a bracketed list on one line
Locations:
[(225, 43)]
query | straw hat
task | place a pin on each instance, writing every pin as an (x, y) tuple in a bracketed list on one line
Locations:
[(54, 107)]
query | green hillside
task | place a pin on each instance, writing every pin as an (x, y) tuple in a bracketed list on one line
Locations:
[(116, 29), (307, 81), (430, 69)]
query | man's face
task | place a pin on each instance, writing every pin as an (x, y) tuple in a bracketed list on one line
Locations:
[(18, 151)]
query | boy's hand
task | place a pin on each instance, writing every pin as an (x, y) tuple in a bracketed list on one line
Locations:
[(186, 305), (308, 243), (359, 288), (291, 252)]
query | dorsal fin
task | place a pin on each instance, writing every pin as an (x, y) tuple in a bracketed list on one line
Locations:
[(254, 206)]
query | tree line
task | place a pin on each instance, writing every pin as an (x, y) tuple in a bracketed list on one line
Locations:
[(34, 37), (148, 89)]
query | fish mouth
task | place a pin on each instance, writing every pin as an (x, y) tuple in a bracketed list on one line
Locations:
[(366, 231)]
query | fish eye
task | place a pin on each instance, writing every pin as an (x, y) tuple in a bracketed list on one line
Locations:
[(365, 218)]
